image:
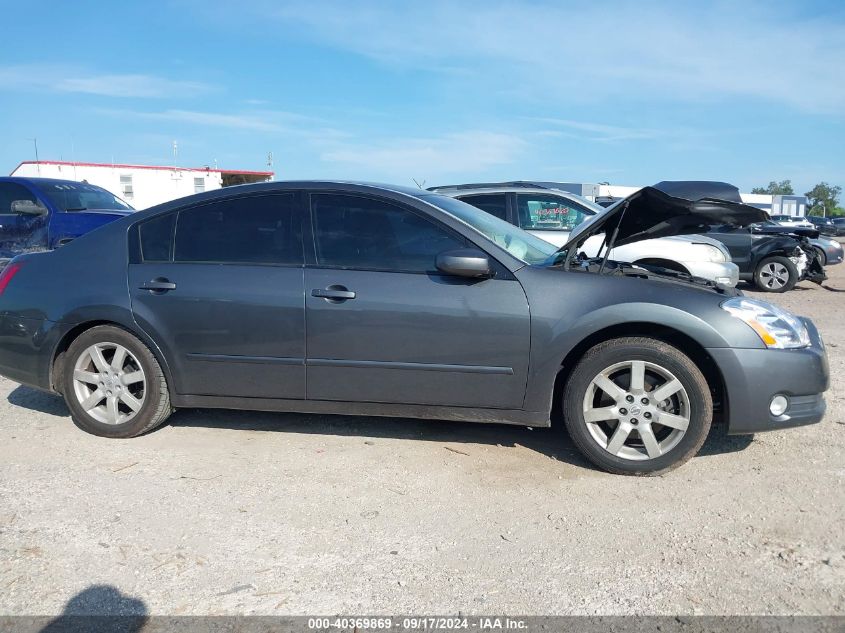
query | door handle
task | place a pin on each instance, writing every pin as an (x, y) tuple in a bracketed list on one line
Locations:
[(337, 293), (158, 285)]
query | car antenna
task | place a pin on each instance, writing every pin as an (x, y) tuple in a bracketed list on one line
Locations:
[(613, 237)]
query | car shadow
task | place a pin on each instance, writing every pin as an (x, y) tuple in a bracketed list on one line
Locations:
[(40, 401), (99, 609), (553, 442)]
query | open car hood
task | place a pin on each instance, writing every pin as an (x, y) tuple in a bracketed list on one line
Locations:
[(650, 213)]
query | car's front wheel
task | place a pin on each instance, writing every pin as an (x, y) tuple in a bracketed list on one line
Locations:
[(776, 274), (113, 385), (637, 406)]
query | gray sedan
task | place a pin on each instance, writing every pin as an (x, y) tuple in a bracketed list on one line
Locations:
[(353, 298)]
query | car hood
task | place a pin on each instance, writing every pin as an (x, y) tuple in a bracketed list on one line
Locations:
[(650, 213), (799, 231)]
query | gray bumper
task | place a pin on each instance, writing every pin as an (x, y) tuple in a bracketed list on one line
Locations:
[(754, 376)]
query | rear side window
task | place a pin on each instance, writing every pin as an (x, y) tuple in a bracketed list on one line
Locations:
[(356, 232), (494, 204), (157, 238), (537, 212), (247, 230)]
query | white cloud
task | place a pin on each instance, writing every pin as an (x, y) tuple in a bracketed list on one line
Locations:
[(598, 131), (588, 51), (467, 152), (58, 78)]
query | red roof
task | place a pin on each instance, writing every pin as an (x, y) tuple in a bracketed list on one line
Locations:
[(243, 172)]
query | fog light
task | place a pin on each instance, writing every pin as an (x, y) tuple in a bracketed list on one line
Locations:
[(778, 406), (723, 280)]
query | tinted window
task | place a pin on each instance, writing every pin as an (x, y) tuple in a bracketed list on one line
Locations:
[(11, 191), (494, 204), (356, 232), (548, 213), (157, 238), (79, 196), (248, 230)]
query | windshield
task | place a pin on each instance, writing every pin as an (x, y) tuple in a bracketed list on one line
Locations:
[(522, 245), (80, 196)]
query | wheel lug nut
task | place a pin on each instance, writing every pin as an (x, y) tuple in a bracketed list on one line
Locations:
[(644, 400), (630, 398), (635, 421), (647, 415), (623, 411)]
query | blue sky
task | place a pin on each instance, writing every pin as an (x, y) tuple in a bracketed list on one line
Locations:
[(441, 92)]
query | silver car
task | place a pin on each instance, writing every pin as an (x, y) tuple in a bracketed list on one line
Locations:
[(551, 214)]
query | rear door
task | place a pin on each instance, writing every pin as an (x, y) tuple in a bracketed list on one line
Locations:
[(383, 325), (219, 286)]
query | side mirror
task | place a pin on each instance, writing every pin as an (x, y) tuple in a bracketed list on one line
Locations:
[(28, 207), (465, 262)]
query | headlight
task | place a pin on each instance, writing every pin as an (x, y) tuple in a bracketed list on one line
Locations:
[(775, 326), (711, 253)]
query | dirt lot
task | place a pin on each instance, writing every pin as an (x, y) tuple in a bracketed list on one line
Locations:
[(231, 512)]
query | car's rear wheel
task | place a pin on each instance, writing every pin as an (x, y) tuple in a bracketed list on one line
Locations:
[(776, 274), (113, 385), (637, 406)]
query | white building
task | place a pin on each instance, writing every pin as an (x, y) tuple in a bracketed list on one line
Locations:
[(142, 186), (775, 205)]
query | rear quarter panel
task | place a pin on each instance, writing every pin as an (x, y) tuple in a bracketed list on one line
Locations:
[(53, 292)]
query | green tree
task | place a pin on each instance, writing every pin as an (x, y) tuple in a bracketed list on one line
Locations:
[(782, 188), (823, 198)]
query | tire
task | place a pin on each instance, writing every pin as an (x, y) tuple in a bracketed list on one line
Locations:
[(770, 275), (616, 360), (133, 395), (822, 257)]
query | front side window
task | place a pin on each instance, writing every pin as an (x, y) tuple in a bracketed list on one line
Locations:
[(494, 204), (537, 212), (246, 230), (363, 233), (11, 192)]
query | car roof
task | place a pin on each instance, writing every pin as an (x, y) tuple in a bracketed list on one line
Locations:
[(45, 181), (470, 191)]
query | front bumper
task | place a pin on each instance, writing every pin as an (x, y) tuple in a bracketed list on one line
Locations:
[(725, 273), (753, 377)]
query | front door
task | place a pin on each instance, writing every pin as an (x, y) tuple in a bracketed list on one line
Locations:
[(738, 242), (384, 326), (219, 286)]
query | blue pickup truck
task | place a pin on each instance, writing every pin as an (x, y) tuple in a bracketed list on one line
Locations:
[(39, 214)]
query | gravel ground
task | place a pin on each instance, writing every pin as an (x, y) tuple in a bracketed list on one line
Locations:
[(230, 512)]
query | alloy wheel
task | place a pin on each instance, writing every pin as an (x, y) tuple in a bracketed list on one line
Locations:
[(109, 383), (774, 275), (636, 410)]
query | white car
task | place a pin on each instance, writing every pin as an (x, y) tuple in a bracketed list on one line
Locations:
[(793, 220), (551, 214)]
